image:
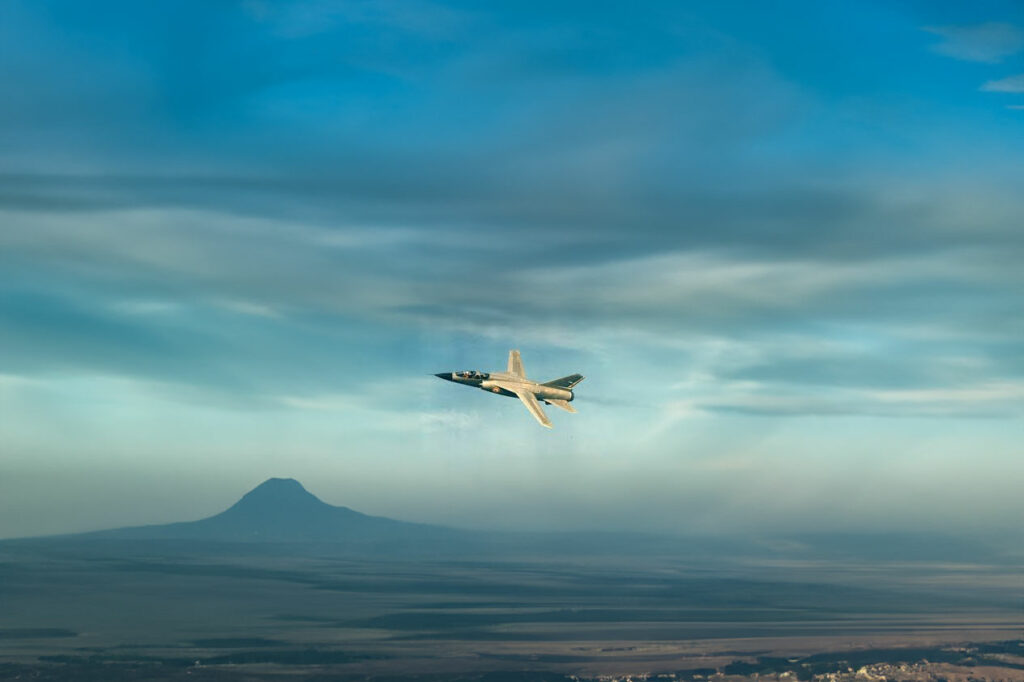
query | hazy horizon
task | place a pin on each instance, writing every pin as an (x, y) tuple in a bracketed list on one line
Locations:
[(782, 243)]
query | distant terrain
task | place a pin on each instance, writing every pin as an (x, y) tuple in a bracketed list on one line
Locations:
[(282, 584)]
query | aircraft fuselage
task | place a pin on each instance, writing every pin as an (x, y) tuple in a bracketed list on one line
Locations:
[(514, 384), (489, 381)]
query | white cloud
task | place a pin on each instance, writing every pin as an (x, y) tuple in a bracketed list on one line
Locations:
[(989, 42), (989, 394), (447, 419), (249, 308), (983, 399), (706, 281), (1013, 84), (141, 306), (335, 402), (392, 405)]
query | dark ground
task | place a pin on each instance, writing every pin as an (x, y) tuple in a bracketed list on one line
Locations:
[(151, 610)]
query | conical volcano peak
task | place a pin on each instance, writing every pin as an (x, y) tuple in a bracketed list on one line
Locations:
[(282, 510), (281, 485), (280, 494)]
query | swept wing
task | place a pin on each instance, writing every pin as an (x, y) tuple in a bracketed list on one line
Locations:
[(528, 398), (533, 406)]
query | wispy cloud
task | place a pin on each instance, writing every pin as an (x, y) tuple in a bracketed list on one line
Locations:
[(1012, 84), (989, 42), (387, 409), (199, 315), (982, 400), (278, 235), (851, 373)]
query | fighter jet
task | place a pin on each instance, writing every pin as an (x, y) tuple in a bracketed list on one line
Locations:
[(513, 383)]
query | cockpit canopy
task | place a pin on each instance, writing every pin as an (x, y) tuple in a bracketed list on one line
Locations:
[(472, 374)]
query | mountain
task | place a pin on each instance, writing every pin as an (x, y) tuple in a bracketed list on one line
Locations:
[(279, 515), (281, 510)]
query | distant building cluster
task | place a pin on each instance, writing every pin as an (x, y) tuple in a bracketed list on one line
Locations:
[(923, 671)]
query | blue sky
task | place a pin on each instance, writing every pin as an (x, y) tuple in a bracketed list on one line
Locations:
[(783, 243)]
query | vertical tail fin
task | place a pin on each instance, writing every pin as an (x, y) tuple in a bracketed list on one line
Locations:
[(515, 364)]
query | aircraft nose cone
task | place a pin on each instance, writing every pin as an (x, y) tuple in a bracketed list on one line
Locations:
[(444, 375)]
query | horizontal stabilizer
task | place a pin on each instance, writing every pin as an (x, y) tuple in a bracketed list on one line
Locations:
[(565, 382), (564, 404)]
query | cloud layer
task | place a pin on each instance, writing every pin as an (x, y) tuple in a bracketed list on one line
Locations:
[(237, 240), (989, 42)]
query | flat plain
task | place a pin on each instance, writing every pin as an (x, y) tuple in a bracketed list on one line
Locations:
[(164, 610)]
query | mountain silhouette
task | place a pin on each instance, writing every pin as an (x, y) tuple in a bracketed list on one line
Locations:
[(280, 516), (281, 510)]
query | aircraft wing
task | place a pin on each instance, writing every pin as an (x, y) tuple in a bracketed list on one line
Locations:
[(530, 400), (515, 364)]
